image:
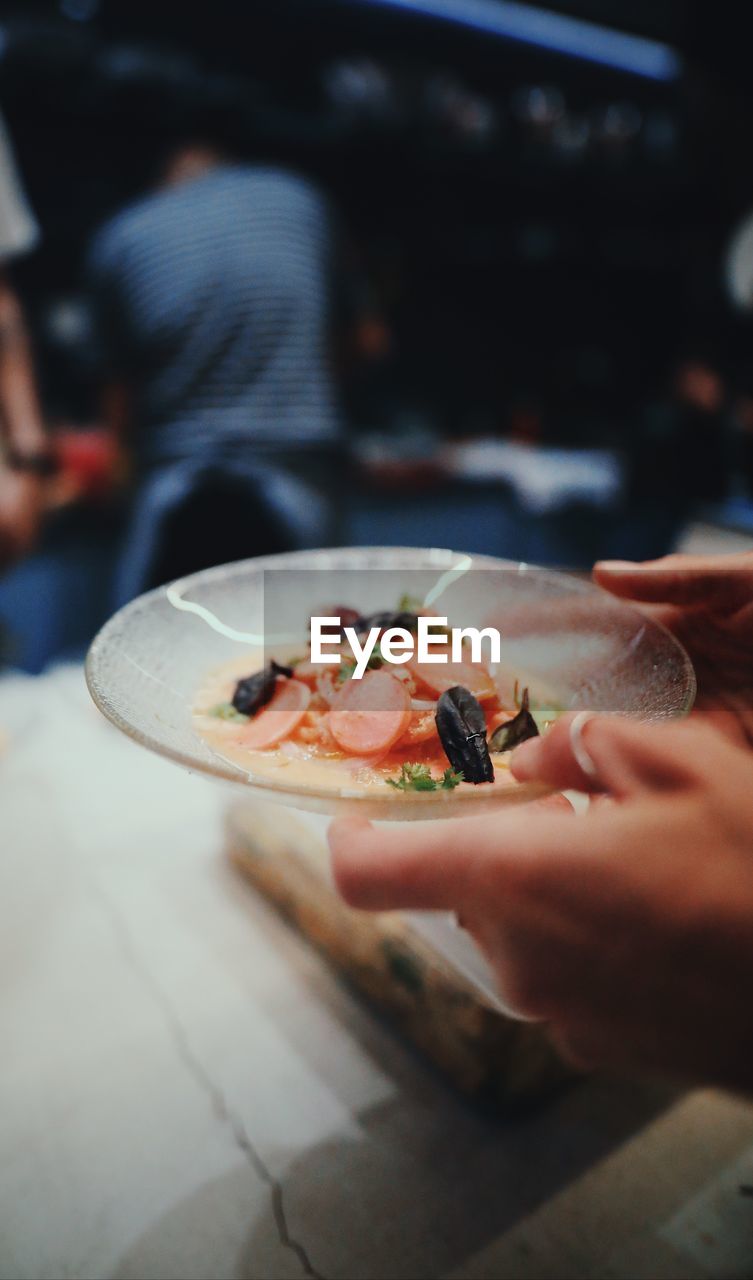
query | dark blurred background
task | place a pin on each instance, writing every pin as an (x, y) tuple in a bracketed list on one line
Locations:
[(554, 360)]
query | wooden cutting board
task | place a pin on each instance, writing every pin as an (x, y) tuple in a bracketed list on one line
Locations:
[(485, 1054)]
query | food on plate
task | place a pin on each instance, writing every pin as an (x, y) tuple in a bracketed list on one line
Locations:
[(370, 721)]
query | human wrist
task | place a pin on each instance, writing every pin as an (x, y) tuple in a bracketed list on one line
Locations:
[(33, 459)]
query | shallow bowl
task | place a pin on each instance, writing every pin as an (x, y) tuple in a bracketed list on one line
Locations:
[(570, 641)]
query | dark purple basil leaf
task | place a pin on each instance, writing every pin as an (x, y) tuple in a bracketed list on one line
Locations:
[(279, 670), (461, 726), (256, 691), (513, 732)]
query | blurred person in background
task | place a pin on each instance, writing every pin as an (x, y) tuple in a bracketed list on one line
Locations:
[(25, 458), (214, 300)]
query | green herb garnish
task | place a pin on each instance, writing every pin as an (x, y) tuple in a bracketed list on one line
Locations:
[(226, 711), (413, 777), (409, 604), (417, 777), (345, 671)]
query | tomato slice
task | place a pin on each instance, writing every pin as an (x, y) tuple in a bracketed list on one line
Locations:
[(434, 677), (279, 718), (370, 714)]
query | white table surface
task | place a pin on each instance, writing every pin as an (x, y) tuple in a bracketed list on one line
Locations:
[(187, 1090)]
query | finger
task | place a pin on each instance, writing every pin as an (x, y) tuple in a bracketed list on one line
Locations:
[(441, 865), (609, 753), (557, 802), (731, 724), (381, 869), (710, 582)]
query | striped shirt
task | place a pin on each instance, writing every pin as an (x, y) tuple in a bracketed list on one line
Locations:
[(213, 301)]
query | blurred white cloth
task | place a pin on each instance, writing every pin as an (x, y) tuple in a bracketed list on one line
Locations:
[(18, 228), (544, 479)]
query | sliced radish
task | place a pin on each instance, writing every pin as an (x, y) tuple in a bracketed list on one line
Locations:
[(354, 763), (280, 716), (312, 672), (307, 672), (369, 715), (326, 687), (437, 677)]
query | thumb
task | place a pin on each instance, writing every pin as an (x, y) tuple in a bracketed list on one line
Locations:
[(595, 753), (719, 583)]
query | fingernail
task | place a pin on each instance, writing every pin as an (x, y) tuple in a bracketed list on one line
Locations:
[(615, 565), (526, 759)]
